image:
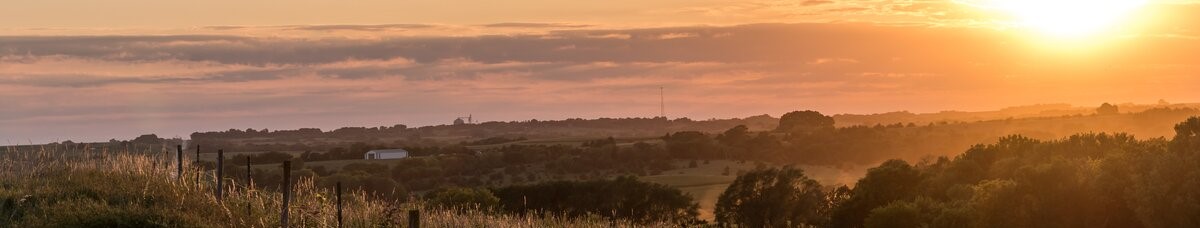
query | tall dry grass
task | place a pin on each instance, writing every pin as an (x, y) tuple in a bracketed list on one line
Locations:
[(74, 186)]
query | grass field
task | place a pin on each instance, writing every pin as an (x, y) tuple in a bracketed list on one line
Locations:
[(123, 189), (338, 164), (705, 182), (569, 141), (229, 155)]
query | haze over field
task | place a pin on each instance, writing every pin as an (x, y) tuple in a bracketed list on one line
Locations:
[(91, 71)]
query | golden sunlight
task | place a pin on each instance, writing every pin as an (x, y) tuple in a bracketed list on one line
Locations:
[(1065, 18)]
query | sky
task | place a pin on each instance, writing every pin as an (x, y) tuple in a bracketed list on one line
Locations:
[(95, 70)]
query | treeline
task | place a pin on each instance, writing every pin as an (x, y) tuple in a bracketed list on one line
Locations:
[(266, 139), (1086, 180), (1017, 112), (816, 143), (625, 127), (345, 132), (808, 137), (440, 167), (804, 137), (145, 144)]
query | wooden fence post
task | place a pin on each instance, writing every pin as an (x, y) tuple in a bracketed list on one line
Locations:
[(197, 165), (338, 193), (220, 173), (414, 219), (248, 174), (287, 192), (179, 163)]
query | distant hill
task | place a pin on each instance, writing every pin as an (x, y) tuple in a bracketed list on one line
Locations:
[(1034, 120), (1029, 111), (443, 134), (317, 139)]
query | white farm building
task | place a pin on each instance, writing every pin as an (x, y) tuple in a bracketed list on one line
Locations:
[(386, 154)]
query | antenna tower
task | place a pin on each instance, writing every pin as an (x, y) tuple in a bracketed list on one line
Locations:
[(662, 106)]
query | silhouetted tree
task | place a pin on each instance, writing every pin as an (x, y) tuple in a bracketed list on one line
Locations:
[(1167, 192), (804, 122), (689, 145), (735, 137), (891, 181), (776, 197), (1107, 109)]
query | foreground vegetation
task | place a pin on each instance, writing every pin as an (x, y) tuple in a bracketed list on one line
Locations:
[(1086, 180), (139, 189)]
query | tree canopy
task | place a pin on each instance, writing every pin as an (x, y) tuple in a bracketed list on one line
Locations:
[(1086, 180), (776, 197), (804, 121)]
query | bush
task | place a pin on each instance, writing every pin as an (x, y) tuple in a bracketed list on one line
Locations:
[(622, 198)]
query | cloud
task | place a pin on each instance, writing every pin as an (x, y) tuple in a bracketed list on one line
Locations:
[(668, 36), (184, 83), (815, 2), (226, 27), (369, 28), (762, 42), (102, 60), (828, 61), (534, 25), (610, 36), (848, 9)]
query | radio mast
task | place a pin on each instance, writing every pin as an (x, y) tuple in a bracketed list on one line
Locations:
[(662, 106)]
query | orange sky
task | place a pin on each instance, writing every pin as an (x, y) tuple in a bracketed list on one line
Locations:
[(93, 70)]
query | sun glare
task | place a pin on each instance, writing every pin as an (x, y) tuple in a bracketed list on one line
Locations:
[(1065, 18)]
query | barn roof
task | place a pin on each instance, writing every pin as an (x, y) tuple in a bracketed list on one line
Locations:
[(386, 151)]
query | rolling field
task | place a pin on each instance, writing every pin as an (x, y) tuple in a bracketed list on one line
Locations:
[(50, 188), (569, 141), (338, 164), (229, 155), (704, 183)]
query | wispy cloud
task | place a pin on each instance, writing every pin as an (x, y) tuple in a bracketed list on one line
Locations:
[(371, 28), (534, 25)]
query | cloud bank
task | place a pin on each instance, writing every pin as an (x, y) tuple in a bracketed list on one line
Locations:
[(99, 87)]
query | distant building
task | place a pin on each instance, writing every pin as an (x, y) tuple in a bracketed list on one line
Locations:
[(386, 154), (469, 119)]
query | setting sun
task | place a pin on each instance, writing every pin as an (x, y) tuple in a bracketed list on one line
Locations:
[(1065, 18)]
